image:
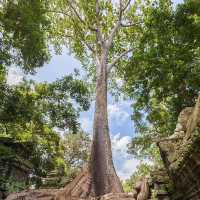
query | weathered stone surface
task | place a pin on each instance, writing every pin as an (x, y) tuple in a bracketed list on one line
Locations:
[(14, 164), (51, 195), (160, 185), (117, 196), (181, 155), (141, 190), (42, 194), (78, 188)]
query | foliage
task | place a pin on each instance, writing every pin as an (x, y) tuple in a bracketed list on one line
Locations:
[(74, 153), (163, 76), (15, 186), (23, 40), (143, 170), (30, 114), (11, 185), (76, 148), (46, 104), (86, 30)]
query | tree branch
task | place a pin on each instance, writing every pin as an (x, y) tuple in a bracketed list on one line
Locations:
[(82, 39), (126, 6), (78, 16), (130, 25), (98, 30), (122, 8), (118, 23), (110, 66), (76, 12), (113, 33), (89, 46)]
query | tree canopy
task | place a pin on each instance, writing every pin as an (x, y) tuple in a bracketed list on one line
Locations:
[(23, 39), (163, 75)]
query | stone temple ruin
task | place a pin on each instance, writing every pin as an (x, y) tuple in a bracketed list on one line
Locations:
[(178, 180), (181, 155)]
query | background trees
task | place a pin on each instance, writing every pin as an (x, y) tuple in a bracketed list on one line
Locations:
[(31, 114), (75, 149), (23, 39), (163, 76)]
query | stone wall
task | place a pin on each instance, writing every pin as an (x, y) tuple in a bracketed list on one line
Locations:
[(181, 157), (160, 185), (13, 167)]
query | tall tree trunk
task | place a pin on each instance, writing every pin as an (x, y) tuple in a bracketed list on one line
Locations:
[(104, 177)]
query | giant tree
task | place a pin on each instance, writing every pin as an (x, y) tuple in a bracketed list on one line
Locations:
[(98, 34)]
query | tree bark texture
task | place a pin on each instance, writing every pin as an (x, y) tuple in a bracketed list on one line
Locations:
[(104, 177)]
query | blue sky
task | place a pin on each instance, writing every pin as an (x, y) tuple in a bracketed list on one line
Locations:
[(177, 1), (121, 126)]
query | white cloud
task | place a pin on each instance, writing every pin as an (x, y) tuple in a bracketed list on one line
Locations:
[(125, 163), (14, 76), (86, 124), (128, 168), (119, 144), (116, 112)]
